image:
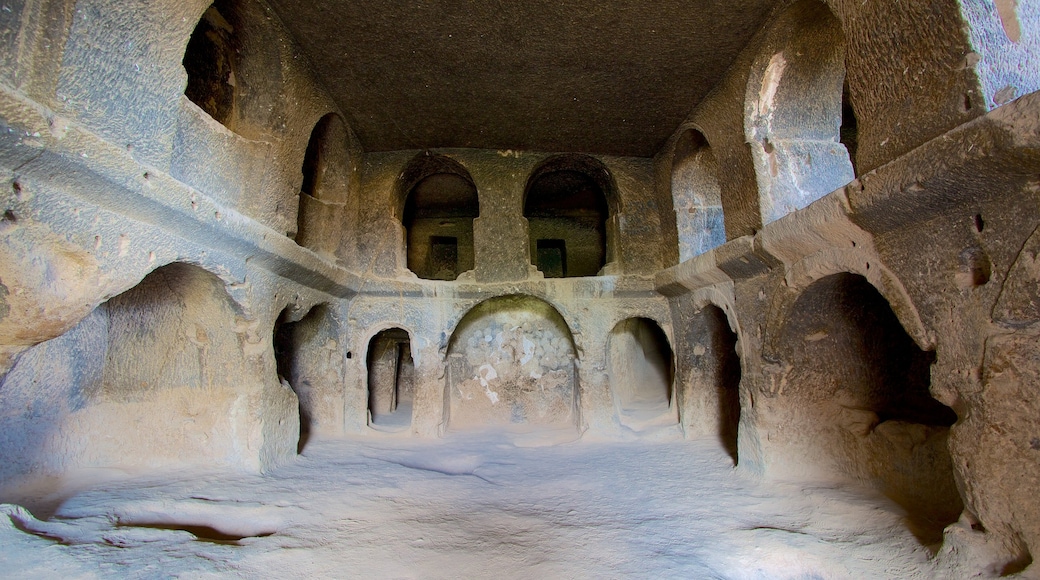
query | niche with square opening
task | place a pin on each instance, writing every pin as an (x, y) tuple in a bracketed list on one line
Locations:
[(552, 258), (391, 380), (567, 208), (641, 369), (440, 204)]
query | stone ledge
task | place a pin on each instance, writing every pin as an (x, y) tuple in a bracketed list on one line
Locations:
[(38, 145)]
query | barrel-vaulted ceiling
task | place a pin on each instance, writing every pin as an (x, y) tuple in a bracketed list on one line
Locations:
[(597, 76)]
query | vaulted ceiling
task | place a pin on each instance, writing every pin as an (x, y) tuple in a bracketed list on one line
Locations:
[(607, 77)]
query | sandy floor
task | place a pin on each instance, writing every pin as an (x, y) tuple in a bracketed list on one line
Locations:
[(469, 506)]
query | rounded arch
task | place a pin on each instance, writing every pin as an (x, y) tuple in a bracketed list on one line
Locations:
[(510, 361), (390, 378), (233, 70), (794, 110), (571, 205), (856, 390), (696, 195), (325, 179), (437, 201), (641, 366), (867, 264)]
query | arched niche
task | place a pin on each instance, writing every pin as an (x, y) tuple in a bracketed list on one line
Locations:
[(712, 395), (326, 173), (794, 110), (156, 376), (210, 59), (301, 361), (391, 380), (439, 203), (511, 363), (856, 401), (696, 196), (642, 370), (570, 202), (234, 70)]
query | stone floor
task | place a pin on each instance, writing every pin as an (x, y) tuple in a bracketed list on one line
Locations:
[(472, 505)]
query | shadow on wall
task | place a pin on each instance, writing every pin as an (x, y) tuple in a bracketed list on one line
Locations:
[(156, 376), (511, 363), (641, 371), (857, 400)]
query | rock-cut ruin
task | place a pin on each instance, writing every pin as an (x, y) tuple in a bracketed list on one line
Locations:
[(562, 289)]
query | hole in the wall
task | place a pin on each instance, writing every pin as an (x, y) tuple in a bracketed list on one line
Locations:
[(16, 187), (860, 395), (391, 380), (641, 371), (209, 60), (848, 135), (563, 201), (10, 217), (444, 257), (552, 258), (978, 223), (350, 355), (974, 268), (323, 177), (966, 106), (440, 205)]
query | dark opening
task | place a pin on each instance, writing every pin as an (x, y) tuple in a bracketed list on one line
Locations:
[(444, 258), (863, 385), (566, 201), (290, 353), (438, 215), (849, 133), (723, 343), (641, 370), (313, 162), (552, 258), (209, 62), (391, 384)]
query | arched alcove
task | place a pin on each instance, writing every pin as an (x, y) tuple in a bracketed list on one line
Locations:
[(713, 390), (856, 400), (325, 179), (210, 61), (568, 208), (794, 110), (299, 359), (696, 196), (391, 380), (641, 370), (511, 363), (439, 205), (157, 376)]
